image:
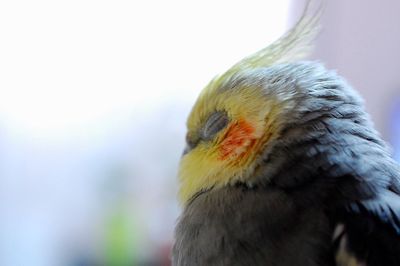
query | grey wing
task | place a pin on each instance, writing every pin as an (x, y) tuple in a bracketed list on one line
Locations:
[(368, 232)]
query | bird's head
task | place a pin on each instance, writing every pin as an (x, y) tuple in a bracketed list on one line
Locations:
[(240, 113), (230, 124)]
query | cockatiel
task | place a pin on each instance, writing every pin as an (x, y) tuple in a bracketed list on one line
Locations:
[(284, 168)]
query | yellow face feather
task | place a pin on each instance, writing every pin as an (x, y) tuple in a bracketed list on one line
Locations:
[(231, 155)]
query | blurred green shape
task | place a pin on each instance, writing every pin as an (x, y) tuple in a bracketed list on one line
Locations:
[(121, 233)]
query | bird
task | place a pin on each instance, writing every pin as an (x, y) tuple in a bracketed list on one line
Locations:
[(283, 167)]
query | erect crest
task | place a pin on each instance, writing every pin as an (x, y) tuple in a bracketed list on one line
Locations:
[(296, 44)]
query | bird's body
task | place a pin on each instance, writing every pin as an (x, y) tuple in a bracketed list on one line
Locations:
[(283, 167), (238, 225)]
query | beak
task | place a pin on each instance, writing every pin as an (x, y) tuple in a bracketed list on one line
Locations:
[(190, 146), (186, 150)]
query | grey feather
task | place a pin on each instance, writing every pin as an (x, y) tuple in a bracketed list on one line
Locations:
[(328, 166)]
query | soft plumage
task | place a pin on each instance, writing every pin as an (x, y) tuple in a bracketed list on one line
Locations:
[(283, 167)]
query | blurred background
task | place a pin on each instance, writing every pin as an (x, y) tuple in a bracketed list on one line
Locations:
[(93, 101)]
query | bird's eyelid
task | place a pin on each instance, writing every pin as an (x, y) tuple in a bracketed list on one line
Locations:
[(215, 123)]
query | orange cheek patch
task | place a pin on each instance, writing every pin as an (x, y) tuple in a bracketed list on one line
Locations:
[(237, 140)]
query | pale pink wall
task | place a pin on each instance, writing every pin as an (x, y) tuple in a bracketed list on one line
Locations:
[(361, 40)]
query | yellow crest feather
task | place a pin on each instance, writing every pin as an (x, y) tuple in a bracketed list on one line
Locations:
[(296, 44)]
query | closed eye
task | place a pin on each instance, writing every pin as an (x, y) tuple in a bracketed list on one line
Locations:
[(215, 123)]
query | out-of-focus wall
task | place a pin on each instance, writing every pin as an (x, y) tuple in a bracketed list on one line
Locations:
[(361, 40), (94, 96)]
